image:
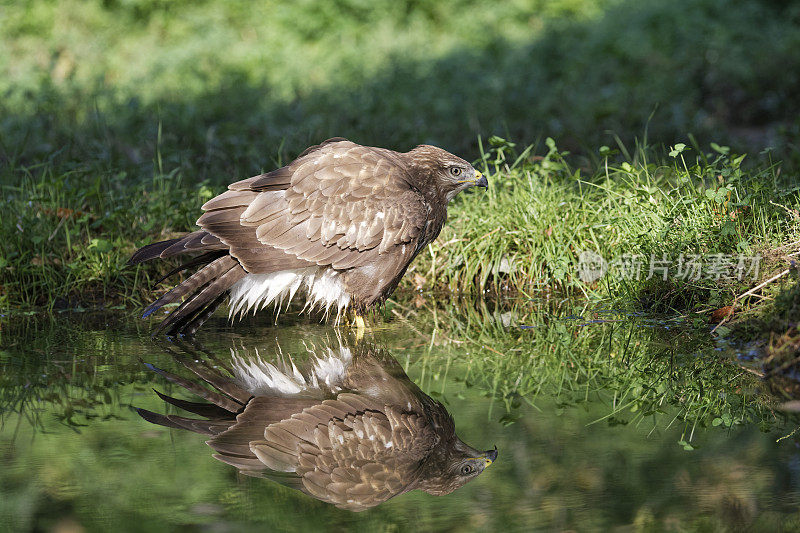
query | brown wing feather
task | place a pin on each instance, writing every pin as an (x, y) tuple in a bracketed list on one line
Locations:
[(349, 452), (339, 204)]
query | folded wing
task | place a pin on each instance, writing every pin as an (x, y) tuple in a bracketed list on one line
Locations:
[(348, 452), (341, 205)]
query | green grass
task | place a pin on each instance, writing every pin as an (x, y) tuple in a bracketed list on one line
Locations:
[(69, 236), (527, 230), (118, 119), (232, 80)]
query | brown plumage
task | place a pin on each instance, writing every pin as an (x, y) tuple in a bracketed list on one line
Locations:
[(341, 223), (351, 429)]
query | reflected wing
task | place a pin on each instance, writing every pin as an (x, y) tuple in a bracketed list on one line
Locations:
[(347, 451), (340, 204)]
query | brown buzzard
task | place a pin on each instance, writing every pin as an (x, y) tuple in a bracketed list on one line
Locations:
[(351, 430), (340, 223)]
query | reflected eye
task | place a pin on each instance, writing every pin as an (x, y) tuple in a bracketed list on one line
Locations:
[(467, 470), (455, 171)]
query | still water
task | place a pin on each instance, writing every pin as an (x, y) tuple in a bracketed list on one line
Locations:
[(602, 419)]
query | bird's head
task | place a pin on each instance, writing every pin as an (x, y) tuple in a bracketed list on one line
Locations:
[(441, 172), (451, 466)]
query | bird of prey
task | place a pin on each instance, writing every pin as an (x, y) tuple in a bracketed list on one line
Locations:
[(351, 429), (341, 223)]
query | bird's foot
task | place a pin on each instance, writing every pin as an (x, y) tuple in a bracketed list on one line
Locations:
[(358, 324), (360, 327)]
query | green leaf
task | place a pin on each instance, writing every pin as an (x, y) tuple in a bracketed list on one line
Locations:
[(720, 149), (605, 151), (101, 245), (677, 149), (508, 419)]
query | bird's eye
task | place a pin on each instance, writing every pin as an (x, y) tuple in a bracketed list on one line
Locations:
[(467, 470), (455, 171)]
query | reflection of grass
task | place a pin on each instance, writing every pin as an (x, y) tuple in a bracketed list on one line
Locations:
[(655, 373), (52, 371), (647, 372)]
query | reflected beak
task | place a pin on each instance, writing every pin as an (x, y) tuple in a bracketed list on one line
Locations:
[(480, 180), (490, 455)]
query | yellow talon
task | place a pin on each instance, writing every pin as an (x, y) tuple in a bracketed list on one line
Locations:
[(360, 327)]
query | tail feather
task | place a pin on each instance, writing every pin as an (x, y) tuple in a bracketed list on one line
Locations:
[(198, 319), (204, 427), (215, 379), (151, 251), (197, 241), (194, 242), (193, 283), (205, 295), (204, 289), (204, 259), (207, 410), (214, 397)]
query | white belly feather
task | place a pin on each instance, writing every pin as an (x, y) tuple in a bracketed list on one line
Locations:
[(322, 287), (321, 375)]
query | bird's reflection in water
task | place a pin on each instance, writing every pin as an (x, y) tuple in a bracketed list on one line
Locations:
[(348, 427)]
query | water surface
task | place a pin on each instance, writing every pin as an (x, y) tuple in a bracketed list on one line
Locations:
[(602, 418)]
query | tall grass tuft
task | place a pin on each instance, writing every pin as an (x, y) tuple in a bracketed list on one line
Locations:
[(526, 232)]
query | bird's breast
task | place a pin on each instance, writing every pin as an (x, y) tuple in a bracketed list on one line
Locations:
[(323, 288)]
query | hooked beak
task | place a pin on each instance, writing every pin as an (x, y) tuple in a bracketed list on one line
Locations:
[(480, 180), (490, 455)]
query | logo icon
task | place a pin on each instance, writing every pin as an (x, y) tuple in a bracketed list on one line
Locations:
[(591, 266)]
